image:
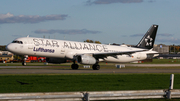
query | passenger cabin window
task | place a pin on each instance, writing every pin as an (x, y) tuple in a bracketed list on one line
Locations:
[(19, 42)]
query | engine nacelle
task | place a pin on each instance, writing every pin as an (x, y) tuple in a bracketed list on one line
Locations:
[(86, 59), (56, 60), (141, 56)]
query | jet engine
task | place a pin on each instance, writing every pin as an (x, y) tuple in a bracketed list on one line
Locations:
[(141, 56), (86, 59), (55, 60)]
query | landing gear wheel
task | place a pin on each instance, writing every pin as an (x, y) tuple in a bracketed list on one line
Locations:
[(96, 67), (74, 66), (24, 63)]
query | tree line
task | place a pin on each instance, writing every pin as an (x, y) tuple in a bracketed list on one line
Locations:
[(91, 41)]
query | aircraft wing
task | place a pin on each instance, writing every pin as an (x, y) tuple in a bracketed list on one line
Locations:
[(104, 55)]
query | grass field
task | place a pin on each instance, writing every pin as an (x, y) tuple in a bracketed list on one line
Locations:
[(165, 61), (85, 82)]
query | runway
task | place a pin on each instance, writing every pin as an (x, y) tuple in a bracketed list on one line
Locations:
[(85, 71), (142, 68), (154, 65)]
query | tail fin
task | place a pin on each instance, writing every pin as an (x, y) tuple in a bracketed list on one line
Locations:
[(148, 40)]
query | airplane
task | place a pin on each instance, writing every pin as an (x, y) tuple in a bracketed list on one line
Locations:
[(59, 51)]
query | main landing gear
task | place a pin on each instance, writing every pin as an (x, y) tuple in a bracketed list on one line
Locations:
[(96, 67), (75, 66)]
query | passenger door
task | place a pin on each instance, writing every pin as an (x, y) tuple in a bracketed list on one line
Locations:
[(62, 51), (30, 43)]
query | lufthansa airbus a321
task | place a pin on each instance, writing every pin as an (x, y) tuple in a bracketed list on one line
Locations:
[(59, 51)]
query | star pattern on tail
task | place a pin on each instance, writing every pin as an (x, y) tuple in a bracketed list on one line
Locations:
[(148, 41)]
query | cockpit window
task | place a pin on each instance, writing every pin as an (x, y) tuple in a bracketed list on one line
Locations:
[(15, 41)]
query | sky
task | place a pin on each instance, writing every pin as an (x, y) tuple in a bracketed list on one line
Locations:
[(107, 21)]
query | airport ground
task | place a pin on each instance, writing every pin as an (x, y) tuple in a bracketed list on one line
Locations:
[(38, 77), (157, 66), (63, 70)]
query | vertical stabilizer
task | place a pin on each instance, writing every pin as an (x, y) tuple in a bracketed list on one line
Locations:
[(148, 40)]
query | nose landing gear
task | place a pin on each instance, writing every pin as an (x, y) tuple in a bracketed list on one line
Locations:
[(24, 60)]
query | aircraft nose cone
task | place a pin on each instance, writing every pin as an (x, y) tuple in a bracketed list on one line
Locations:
[(9, 47)]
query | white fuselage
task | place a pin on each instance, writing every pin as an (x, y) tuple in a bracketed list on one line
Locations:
[(68, 49)]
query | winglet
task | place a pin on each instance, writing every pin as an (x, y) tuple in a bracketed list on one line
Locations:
[(147, 41)]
